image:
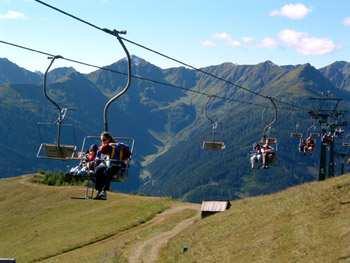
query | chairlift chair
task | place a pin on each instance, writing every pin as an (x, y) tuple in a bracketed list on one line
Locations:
[(296, 135), (56, 151), (266, 139), (315, 135), (212, 144), (123, 165)]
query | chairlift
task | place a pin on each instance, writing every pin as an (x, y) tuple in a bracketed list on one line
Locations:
[(296, 134), (122, 164), (56, 151), (268, 145), (212, 144)]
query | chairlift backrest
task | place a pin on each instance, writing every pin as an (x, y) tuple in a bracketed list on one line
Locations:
[(213, 145), (315, 135), (88, 140), (269, 141), (296, 135)]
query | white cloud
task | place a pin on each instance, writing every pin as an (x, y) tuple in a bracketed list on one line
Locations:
[(228, 39), (268, 42), (12, 15), (248, 40), (306, 44), (208, 43), (346, 21), (292, 11)]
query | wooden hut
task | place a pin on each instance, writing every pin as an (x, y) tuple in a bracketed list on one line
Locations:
[(212, 207)]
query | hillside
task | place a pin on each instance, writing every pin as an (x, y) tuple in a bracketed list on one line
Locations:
[(45, 223), (227, 175), (307, 223), (169, 125)]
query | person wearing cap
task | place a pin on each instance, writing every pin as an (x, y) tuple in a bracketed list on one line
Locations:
[(102, 171), (268, 154), (256, 155)]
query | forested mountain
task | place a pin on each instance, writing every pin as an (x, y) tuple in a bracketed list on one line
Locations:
[(339, 74), (11, 73), (169, 124)]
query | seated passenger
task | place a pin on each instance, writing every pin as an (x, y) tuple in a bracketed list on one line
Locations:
[(268, 154), (102, 172), (309, 144), (327, 138), (256, 155), (86, 164)]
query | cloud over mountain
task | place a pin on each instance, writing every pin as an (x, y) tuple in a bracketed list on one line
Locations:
[(292, 11)]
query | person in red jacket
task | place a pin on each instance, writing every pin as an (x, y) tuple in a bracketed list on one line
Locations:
[(309, 145), (102, 171), (268, 154)]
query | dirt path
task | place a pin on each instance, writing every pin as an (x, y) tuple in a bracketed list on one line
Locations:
[(147, 251)]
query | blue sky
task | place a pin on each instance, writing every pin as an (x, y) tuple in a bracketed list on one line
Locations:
[(202, 32)]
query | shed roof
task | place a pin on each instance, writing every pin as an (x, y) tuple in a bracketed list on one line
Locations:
[(215, 206)]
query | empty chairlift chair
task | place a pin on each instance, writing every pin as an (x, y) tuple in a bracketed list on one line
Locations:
[(57, 150), (212, 144)]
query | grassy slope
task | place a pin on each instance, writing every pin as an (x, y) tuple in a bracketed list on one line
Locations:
[(38, 221), (308, 223), (118, 247)]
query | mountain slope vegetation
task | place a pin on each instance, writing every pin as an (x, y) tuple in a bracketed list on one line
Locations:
[(307, 223), (169, 124)]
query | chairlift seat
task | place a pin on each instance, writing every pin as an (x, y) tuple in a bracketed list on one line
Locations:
[(270, 141), (296, 135), (315, 135), (213, 145), (53, 151), (119, 174)]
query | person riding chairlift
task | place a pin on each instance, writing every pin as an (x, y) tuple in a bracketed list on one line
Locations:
[(111, 162), (87, 162), (327, 138), (256, 155), (102, 172), (268, 154), (309, 144)]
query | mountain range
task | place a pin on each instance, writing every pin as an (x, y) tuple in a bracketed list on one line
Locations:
[(169, 124)]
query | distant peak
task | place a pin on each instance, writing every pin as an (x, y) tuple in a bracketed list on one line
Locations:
[(339, 64), (137, 60), (269, 62), (306, 67)]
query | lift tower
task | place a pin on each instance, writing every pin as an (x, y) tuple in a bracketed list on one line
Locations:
[(327, 114)]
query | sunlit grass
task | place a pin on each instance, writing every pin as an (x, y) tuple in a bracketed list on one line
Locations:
[(308, 223), (39, 221)]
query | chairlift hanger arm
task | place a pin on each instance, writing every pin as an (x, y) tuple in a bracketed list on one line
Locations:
[(268, 126), (212, 121), (127, 85), (45, 84)]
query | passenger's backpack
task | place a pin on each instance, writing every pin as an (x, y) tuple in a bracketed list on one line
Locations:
[(122, 151)]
